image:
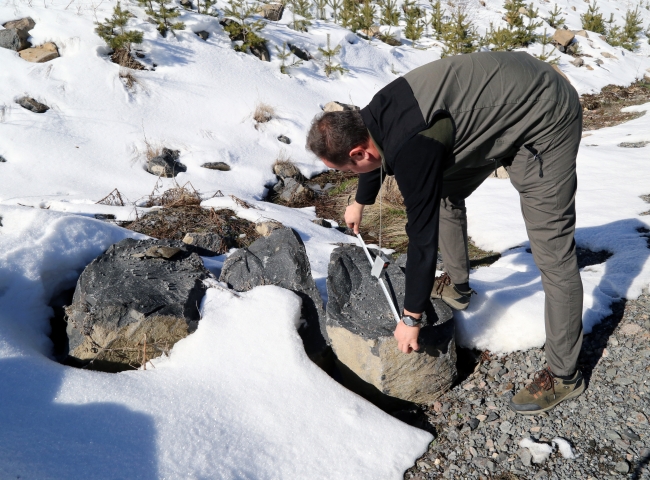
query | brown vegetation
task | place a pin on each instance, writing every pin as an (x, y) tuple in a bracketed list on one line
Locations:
[(604, 109), (263, 113), (122, 57)]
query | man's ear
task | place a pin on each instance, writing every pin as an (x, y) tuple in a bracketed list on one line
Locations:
[(358, 153)]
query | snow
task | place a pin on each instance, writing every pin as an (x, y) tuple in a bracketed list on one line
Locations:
[(240, 399), (540, 451), (564, 447)]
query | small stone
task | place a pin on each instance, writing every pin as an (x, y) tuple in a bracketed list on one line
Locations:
[(492, 417), (632, 145), (609, 55), (611, 435), (639, 417), (589, 67), (535, 429), (624, 381), (221, 166), (299, 52), (284, 139), (14, 40), (630, 435), (622, 467), (481, 418), (525, 456), (321, 222), (166, 164), (473, 423), (577, 62), (187, 4), (505, 426), (32, 105), (2, 159), (24, 24), (40, 54), (265, 228), (563, 37), (104, 216), (582, 33), (598, 61), (203, 35)]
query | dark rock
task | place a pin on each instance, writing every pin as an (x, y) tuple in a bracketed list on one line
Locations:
[(281, 259), (473, 423), (14, 40), (299, 52), (322, 222), (2, 159), (203, 34), (206, 244), (188, 4), (294, 192), (166, 164), (136, 288), (226, 23), (104, 216), (222, 166), (360, 326), (261, 52), (32, 105), (484, 464), (284, 139), (139, 54)]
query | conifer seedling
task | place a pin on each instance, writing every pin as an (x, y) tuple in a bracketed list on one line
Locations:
[(113, 30), (244, 28), (329, 53), (336, 6), (459, 35), (593, 19), (413, 18), (284, 55), (164, 15), (389, 12), (555, 20), (301, 8)]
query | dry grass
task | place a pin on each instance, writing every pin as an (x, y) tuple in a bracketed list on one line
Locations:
[(263, 113), (123, 58), (178, 196), (174, 222), (113, 199), (128, 79), (604, 109)]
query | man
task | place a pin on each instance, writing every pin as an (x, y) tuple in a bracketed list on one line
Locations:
[(441, 130)]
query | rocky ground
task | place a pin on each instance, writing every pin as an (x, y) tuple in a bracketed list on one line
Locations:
[(477, 436)]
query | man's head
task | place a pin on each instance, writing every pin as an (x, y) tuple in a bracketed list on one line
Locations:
[(341, 141)]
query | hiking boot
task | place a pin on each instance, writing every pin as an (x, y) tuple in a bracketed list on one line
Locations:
[(444, 288), (546, 391)]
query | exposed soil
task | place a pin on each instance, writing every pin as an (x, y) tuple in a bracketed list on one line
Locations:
[(604, 109), (123, 58)]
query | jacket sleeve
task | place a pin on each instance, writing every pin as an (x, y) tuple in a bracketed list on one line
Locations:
[(369, 186), (418, 171)]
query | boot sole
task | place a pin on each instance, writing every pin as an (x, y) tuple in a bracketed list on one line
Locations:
[(578, 391), (454, 304)]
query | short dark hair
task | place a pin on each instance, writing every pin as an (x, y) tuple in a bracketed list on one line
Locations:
[(334, 134)]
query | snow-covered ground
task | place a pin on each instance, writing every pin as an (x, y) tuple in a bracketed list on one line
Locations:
[(220, 406)]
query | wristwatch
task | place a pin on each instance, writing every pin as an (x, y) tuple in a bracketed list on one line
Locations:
[(411, 321)]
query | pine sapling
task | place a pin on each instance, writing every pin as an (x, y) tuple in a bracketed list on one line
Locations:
[(366, 18), (284, 55), (631, 29), (555, 20), (500, 40), (203, 6), (413, 18), (244, 28), (459, 35), (113, 31), (545, 56), (335, 5), (349, 14), (329, 53), (389, 12), (320, 9), (301, 8), (593, 19), (436, 21), (164, 16)]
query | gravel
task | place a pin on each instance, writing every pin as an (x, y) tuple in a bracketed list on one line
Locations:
[(477, 436)]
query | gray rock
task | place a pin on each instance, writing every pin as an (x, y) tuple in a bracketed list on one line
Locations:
[(203, 35), (266, 228), (609, 55), (321, 222), (32, 105), (294, 191), (633, 144), (2, 159), (22, 25), (166, 164), (261, 52), (222, 166), (188, 4), (287, 169), (205, 244), (612, 435), (484, 464), (281, 259), (104, 216), (630, 435), (360, 326), (473, 423), (272, 11), (136, 288), (299, 52), (622, 467), (525, 456), (14, 40), (577, 62), (284, 139), (493, 416)]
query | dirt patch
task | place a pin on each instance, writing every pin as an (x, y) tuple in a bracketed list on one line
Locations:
[(123, 58), (175, 222), (604, 109)]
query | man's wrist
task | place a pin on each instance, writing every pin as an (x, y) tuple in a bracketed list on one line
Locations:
[(411, 321)]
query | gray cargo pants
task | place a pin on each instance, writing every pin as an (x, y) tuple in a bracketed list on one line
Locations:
[(547, 190)]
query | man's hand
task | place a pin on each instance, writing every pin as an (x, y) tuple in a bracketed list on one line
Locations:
[(353, 215), (407, 337)]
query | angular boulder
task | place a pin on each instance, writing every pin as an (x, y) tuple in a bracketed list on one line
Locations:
[(166, 164), (136, 290), (360, 327), (281, 259), (13, 40), (563, 37), (22, 25), (205, 244), (272, 11), (40, 54)]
